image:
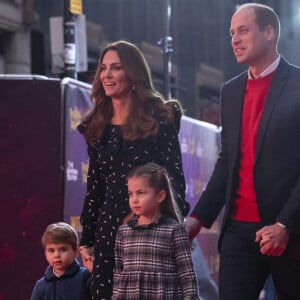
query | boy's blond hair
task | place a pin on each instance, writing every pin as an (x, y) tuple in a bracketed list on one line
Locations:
[(58, 233)]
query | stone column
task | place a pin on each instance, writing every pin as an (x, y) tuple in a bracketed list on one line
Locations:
[(17, 52), (16, 18)]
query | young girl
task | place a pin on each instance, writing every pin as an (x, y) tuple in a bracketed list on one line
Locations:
[(153, 255)]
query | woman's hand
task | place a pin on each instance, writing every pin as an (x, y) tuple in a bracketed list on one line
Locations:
[(87, 256)]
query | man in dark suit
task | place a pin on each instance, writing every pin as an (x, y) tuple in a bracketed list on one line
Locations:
[(257, 175)]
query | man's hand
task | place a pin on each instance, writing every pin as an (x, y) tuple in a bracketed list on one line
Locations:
[(272, 239), (192, 227)]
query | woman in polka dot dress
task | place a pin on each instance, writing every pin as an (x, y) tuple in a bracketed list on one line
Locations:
[(131, 124)]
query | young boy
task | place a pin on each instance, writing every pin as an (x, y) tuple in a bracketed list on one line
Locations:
[(64, 277)]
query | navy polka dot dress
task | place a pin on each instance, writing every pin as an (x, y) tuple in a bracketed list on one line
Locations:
[(106, 202)]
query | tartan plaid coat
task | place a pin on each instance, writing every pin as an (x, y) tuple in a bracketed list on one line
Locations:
[(154, 262)]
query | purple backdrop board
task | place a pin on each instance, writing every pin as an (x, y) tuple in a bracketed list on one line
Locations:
[(199, 148), (199, 142), (77, 105), (31, 178), (44, 166)]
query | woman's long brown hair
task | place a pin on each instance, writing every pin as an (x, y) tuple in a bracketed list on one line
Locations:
[(148, 105)]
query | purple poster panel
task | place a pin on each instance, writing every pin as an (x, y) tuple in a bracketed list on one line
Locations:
[(77, 105), (200, 146)]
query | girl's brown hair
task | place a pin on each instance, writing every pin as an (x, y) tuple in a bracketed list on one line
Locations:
[(158, 179)]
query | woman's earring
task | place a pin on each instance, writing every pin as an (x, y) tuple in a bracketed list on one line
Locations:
[(133, 87)]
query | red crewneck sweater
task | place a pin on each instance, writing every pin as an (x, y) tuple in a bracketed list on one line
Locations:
[(245, 206)]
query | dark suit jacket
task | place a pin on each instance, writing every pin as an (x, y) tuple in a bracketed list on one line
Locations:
[(277, 156)]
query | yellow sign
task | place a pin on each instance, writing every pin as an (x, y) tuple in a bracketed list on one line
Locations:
[(76, 7)]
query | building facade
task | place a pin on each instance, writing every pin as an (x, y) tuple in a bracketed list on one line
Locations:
[(202, 58)]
